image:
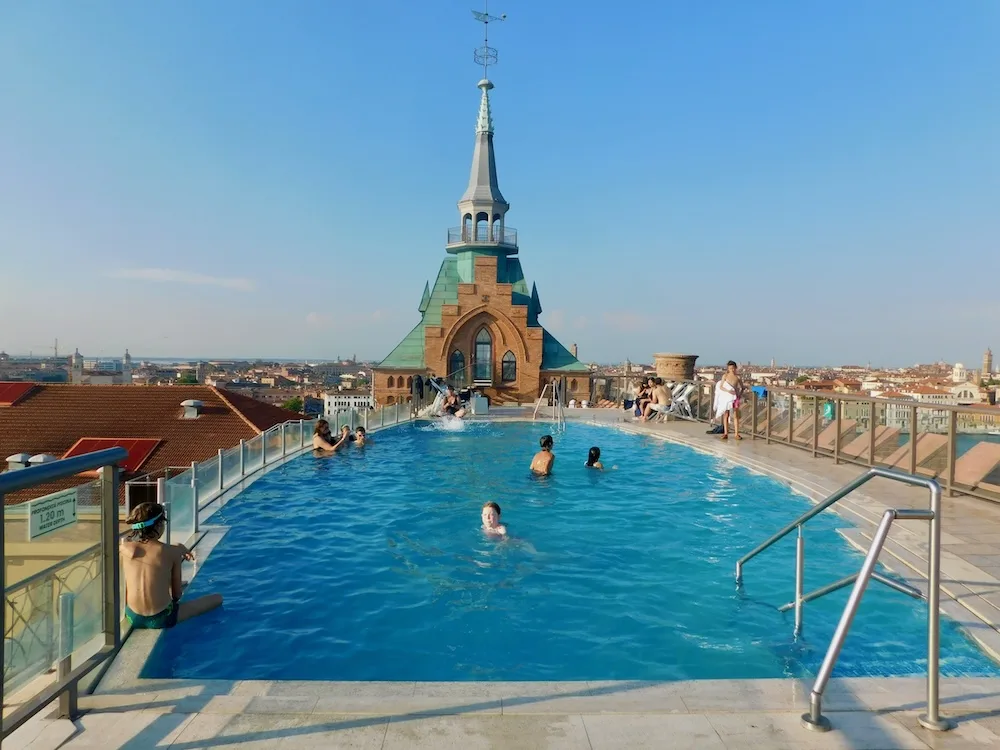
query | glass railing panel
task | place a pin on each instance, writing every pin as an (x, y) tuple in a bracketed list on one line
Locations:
[(293, 436), (272, 438), (48, 564), (231, 466), (180, 501), (254, 453), (805, 419), (208, 479)]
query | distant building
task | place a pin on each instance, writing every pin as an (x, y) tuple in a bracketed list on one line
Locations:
[(100, 371), (346, 400), (987, 372), (959, 373)]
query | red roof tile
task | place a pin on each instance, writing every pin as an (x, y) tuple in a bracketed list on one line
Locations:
[(52, 418), (11, 393)]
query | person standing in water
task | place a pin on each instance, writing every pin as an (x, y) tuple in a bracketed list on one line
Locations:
[(543, 460), (491, 520), (594, 459)]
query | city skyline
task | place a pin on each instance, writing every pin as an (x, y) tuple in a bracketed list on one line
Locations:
[(735, 183)]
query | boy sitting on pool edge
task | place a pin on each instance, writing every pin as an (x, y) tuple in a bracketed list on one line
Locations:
[(152, 573), (491, 520)]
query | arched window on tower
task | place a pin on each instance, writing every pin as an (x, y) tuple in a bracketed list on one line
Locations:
[(456, 364), (409, 383), (391, 383), (572, 385), (482, 227), (497, 233), (467, 227), (483, 369), (508, 369)]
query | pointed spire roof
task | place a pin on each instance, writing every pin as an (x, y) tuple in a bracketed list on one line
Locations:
[(483, 186), (425, 300), (536, 304)]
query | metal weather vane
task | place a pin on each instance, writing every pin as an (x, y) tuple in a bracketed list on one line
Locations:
[(486, 55)]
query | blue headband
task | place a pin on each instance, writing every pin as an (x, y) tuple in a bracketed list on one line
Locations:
[(147, 524)]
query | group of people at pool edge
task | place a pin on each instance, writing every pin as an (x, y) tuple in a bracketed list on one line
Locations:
[(653, 398)]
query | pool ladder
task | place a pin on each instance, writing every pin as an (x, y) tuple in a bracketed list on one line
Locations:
[(558, 414), (814, 719)]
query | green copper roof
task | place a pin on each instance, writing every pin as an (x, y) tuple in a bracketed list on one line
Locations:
[(409, 354), (555, 356)]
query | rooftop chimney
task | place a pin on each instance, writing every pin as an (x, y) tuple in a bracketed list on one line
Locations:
[(17, 461), (192, 409), (41, 458), (572, 350)]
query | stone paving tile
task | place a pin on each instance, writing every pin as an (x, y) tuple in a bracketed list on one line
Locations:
[(851, 731), (324, 689), (596, 697), (412, 706), (967, 735), (489, 733), (674, 731), (245, 731), (335, 732), (137, 730)]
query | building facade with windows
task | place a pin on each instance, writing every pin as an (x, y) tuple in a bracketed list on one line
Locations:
[(479, 322), (334, 400)]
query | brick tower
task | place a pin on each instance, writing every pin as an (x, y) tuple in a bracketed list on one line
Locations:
[(479, 321)]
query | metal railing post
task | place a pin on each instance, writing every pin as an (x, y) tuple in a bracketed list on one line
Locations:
[(68, 707), (282, 438), (913, 439), (836, 438), (302, 433), (366, 418), (381, 417), (109, 555), (753, 415), (814, 719), (767, 418), (872, 424), (243, 457), (194, 490), (263, 449), (932, 719), (815, 438), (791, 416), (800, 574), (222, 479), (952, 440)]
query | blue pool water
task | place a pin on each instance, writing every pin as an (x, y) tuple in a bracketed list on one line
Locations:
[(371, 565)]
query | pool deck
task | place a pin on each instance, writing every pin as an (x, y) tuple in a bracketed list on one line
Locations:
[(867, 713)]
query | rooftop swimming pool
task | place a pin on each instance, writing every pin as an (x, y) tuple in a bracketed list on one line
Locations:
[(371, 565)]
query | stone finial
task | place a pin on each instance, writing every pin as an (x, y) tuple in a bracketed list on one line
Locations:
[(484, 124)]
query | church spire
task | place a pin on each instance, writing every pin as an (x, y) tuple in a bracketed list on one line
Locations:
[(483, 192)]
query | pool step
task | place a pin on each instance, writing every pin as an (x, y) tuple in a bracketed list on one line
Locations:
[(976, 595)]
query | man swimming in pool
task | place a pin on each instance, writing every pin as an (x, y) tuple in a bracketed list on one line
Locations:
[(543, 460), (491, 520)]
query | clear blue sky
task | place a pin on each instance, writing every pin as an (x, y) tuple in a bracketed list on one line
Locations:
[(815, 182)]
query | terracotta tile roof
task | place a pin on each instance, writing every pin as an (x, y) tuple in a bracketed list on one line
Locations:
[(927, 390), (53, 417)]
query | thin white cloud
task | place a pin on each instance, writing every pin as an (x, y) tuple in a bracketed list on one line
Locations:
[(319, 319), (184, 277)]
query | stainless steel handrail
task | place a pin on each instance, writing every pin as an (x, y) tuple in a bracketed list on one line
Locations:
[(836, 497), (67, 681), (12, 481), (814, 719)]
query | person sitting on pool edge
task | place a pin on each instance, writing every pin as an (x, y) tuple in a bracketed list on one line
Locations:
[(323, 441), (152, 573), (491, 520), (594, 459), (543, 460)]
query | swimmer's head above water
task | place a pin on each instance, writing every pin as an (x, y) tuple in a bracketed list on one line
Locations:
[(491, 519), (546, 442), (594, 456)]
